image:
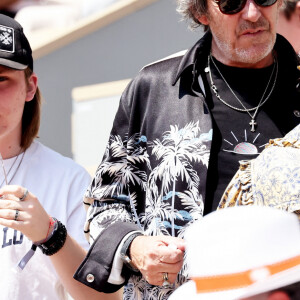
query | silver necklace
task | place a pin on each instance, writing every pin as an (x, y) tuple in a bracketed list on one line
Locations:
[(7, 182), (261, 102)]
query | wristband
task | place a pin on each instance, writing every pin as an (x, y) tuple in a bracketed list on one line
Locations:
[(53, 243), (56, 241)]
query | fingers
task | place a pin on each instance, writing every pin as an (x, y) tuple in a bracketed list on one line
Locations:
[(16, 197), (171, 278), (153, 256), (11, 208), (11, 218), (11, 214), (21, 210), (173, 242), (10, 202), (164, 267), (159, 278), (9, 223), (10, 197), (16, 190), (148, 251), (169, 255)]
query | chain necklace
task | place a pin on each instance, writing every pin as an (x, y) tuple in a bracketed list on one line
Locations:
[(261, 102), (7, 182)]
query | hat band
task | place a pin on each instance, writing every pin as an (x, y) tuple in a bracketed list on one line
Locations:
[(242, 279)]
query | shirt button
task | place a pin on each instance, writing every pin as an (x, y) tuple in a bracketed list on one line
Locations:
[(90, 278), (297, 113)]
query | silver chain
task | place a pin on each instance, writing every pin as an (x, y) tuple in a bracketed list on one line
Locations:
[(262, 100), (7, 182)]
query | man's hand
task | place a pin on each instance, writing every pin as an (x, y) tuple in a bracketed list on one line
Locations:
[(155, 255), (27, 216)]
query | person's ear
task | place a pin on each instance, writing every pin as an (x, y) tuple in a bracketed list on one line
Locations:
[(31, 87), (203, 20)]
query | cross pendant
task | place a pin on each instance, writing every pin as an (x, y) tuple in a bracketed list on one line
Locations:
[(252, 124)]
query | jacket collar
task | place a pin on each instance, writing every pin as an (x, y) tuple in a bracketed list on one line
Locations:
[(196, 53), (287, 55)]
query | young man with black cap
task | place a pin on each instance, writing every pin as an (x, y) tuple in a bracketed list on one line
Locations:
[(35, 179)]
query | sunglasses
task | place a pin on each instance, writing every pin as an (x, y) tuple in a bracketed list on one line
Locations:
[(230, 7)]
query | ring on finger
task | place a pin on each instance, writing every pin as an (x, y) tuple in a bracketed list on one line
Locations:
[(16, 215), (166, 283), (25, 195)]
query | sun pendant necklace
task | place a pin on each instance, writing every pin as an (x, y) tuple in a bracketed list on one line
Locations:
[(261, 102)]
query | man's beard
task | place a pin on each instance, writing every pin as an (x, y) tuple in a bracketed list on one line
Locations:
[(247, 55)]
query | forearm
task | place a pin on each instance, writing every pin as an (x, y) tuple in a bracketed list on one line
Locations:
[(66, 261)]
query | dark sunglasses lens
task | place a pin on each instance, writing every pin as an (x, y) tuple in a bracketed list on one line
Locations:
[(265, 2), (231, 7)]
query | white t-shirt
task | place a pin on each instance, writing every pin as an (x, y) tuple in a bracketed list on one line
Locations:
[(59, 183)]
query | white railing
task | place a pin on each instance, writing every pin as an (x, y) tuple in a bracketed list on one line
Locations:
[(46, 41)]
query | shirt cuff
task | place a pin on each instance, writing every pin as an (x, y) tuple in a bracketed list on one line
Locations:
[(115, 276)]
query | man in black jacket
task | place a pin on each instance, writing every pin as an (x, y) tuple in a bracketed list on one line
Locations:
[(182, 126)]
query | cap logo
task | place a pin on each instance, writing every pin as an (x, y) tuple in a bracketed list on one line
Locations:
[(7, 39)]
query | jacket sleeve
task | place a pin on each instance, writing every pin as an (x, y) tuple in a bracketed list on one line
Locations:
[(110, 199), (96, 267)]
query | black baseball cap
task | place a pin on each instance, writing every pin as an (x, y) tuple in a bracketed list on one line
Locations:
[(15, 50)]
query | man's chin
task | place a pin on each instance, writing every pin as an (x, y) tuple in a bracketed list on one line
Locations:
[(256, 49), (253, 54)]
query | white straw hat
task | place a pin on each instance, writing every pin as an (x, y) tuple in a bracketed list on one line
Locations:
[(240, 252)]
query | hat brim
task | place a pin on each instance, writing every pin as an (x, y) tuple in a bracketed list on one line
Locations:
[(274, 282), (12, 64), (188, 290)]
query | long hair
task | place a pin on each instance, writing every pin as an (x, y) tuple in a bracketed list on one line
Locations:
[(191, 10), (31, 116)]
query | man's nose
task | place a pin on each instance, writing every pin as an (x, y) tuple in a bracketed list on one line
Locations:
[(251, 11)]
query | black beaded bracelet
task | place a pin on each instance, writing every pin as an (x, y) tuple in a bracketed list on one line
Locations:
[(57, 240)]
